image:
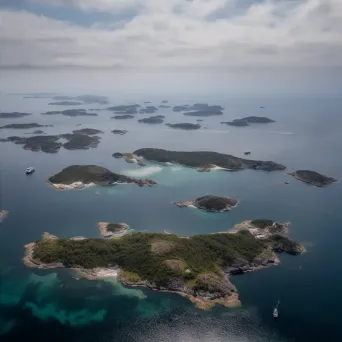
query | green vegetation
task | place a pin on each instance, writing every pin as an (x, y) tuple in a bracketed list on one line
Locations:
[(186, 126), (131, 277), (247, 120), (135, 253), (157, 119), (313, 178), (87, 131), (70, 112), (13, 115), (123, 117), (215, 203), (261, 223), (80, 141), (86, 174), (200, 158)]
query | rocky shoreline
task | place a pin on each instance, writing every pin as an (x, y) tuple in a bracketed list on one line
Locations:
[(313, 178), (113, 230), (3, 215)]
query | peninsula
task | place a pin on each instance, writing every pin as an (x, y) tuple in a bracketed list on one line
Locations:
[(210, 203), (204, 160), (13, 115), (80, 176), (197, 267), (248, 120), (185, 126), (313, 178)]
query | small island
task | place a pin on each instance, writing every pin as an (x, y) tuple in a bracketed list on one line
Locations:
[(181, 108), (125, 109), (313, 178), (65, 103), (164, 106), (71, 112), (119, 131), (148, 110), (87, 131), (81, 176), (22, 126), (113, 230), (123, 117), (117, 155), (3, 215), (210, 203), (248, 120), (199, 267), (13, 115), (157, 119), (164, 101), (205, 160), (185, 126)]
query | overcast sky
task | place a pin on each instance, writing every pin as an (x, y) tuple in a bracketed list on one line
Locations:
[(242, 45)]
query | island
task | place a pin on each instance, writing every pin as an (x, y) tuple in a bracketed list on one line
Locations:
[(313, 178), (3, 215), (80, 141), (39, 131), (65, 103), (210, 203), (44, 143), (13, 115), (199, 267), (248, 120), (148, 110), (204, 159), (88, 99), (157, 119), (81, 176), (164, 106), (117, 155), (185, 126), (87, 131), (181, 108), (164, 101), (70, 112), (113, 230), (22, 126), (123, 117), (119, 131), (125, 109)]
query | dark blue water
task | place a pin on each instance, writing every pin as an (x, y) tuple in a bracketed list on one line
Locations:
[(55, 305)]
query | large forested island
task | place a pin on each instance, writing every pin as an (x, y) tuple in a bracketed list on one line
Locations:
[(79, 176), (313, 178), (210, 203), (197, 267), (204, 160)]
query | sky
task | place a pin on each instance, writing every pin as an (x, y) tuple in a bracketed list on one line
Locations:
[(237, 46)]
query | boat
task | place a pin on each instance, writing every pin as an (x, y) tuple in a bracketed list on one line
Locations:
[(29, 170), (275, 313)]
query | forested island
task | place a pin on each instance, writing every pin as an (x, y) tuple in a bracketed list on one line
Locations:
[(199, 109), (22, 126), (197, 267), (113, 230), (185, 126), (13, 115), (210, 203), (87, 131), (123, 117), (78, 140), (157, 119), (125, 109), (313, 178), (204, 160), (148, 110), (79, 176), (248, 120), (119, 131), (65, 103), (70, 112)]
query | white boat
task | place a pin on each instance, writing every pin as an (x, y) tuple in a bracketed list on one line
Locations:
[(275, 313), (29, 170)]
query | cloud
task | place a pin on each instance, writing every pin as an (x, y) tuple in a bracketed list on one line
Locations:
[(197, 34)]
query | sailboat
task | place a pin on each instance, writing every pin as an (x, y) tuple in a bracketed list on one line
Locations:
[(275, 311)]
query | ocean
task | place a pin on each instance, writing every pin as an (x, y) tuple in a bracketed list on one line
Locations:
[(55, 305)]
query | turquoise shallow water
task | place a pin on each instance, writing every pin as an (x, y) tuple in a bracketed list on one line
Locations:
[(55, 305)]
